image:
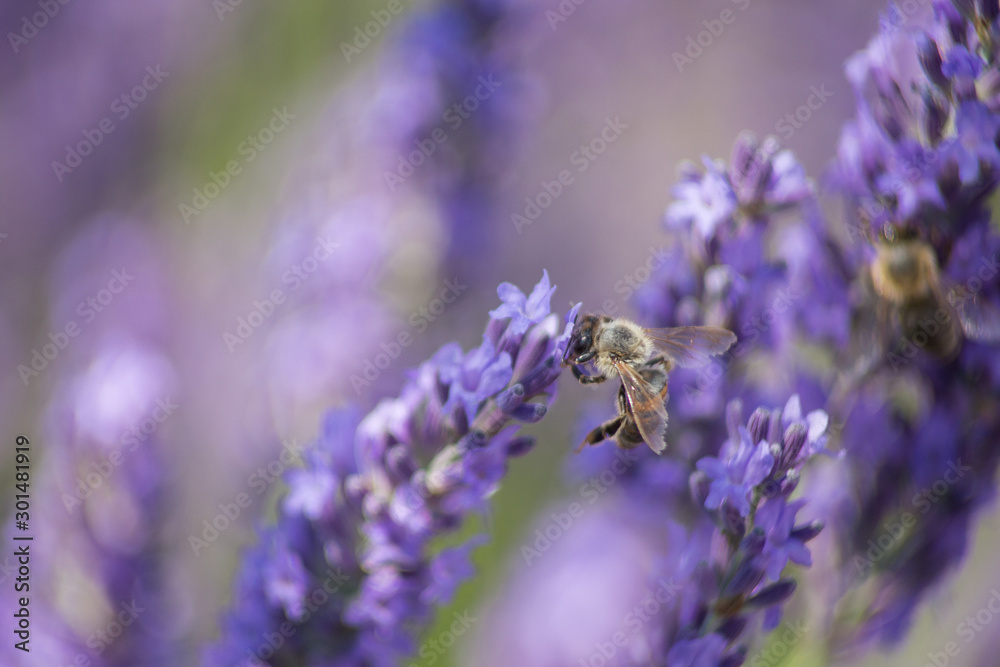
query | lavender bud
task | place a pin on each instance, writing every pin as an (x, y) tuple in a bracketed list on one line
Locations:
[(541, 377), (748, 574), (736, 658), (949, 180), (441, 389), (935, 117), (930, 60), (774, 427), (460, 418), (520, 446), (957, 27), (887, 118), (495, 329), (758, 424), (534, 346), (989, 10), (700, 484), (472, 441), (751, 168), (807, 532), (511, 398), (399, 463), (776, 593), (967, 8), (790, 483), (744, 153), (732, 521), (732, 627), (792, 443), (772, 487), (753, 543), (529, 412)]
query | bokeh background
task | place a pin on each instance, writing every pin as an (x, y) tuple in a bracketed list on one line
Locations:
[(231, 67)]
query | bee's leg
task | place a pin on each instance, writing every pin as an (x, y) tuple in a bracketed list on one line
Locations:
[(587, 379), (585, 357), (603, 432)]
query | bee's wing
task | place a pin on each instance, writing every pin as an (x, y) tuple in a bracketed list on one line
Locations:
[(648, 408), (980, 319), (692, 346)]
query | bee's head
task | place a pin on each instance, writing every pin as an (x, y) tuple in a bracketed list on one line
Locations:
[(582, 338)]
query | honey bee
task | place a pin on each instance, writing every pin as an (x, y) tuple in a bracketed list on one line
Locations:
[(642, 359), (919, 303)]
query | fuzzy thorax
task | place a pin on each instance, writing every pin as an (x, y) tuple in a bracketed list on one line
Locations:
[(622, 341)]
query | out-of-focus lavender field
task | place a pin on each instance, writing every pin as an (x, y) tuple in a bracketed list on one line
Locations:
[(222, 220)]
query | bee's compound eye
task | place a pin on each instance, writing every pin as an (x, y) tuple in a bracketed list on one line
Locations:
[(582, 344)]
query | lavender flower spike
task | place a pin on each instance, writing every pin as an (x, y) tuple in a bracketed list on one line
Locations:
[(350, 573), (754, 538)]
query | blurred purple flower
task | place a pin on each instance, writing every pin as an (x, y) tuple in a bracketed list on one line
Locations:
[(104, 500), (922, 144), (922, 159)]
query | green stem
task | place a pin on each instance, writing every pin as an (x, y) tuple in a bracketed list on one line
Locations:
[(753, 509)]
